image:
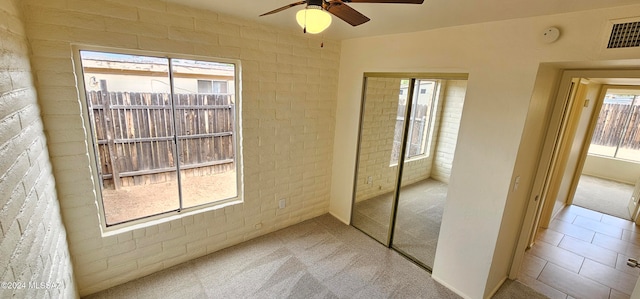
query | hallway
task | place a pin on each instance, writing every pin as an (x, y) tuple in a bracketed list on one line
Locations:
[(583, 254)]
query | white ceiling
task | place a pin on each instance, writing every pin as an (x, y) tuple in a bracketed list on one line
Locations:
[(398, 18)]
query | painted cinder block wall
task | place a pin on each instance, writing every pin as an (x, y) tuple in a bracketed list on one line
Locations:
[(289, 96), (378, 125), (448, 124), (380, 111), (33, 240)]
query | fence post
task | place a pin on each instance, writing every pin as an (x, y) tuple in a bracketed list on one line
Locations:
[(108, 126)]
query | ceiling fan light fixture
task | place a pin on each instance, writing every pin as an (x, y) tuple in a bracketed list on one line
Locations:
[(313, 19)]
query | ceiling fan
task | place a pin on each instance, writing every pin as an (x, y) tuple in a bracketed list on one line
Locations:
[(338, 8)]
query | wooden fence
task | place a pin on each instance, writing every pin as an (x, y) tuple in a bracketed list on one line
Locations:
[(135, 135), (611, 125)]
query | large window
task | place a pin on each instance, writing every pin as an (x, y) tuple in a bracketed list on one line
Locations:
[(161, 144), (617, 132), (421, 118)]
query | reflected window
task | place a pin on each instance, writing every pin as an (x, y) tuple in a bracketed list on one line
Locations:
[(421, 119)]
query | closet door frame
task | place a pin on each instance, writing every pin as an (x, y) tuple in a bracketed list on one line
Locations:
[(412, 77)]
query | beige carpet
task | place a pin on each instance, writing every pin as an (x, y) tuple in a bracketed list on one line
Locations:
[(604, 196), (318, 258), (419, 216)]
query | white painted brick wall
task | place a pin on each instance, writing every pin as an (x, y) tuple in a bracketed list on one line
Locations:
[(380, 112), (33, 241), (289, 98), (377, 138), (448, 124)]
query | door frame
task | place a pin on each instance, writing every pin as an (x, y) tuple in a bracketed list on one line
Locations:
[(572, 119), (585, 147), (562, 149), (548, 151)]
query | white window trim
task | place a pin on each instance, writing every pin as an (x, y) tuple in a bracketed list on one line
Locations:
[(171, 215), (430, 123)]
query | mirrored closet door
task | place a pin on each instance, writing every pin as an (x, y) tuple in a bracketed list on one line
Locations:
[(379, 150), (408, 130)]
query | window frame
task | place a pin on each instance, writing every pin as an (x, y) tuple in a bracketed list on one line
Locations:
[(429, 122), (89, 138), (211, 85), (601, 99)]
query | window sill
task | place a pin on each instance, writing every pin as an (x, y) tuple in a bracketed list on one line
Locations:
[(412, 159), (614, 158)]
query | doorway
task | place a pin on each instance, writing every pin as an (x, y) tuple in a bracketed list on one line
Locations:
[(592, 162), (558, 225), (408, 132), (612, 163)]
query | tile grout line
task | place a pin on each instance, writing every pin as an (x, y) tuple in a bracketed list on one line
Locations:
[(590, 241), (581, 265)]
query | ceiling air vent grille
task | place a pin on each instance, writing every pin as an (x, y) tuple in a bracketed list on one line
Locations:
[(624, 35)]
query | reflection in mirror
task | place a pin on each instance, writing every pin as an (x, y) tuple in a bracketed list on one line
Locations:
[(382, 120), (421, 199), (434, 119)]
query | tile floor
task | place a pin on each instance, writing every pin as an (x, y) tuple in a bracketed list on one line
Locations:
[(583, 254)]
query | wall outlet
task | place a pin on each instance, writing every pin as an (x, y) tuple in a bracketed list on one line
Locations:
[(369, 180), (282, 203), (258, 225)]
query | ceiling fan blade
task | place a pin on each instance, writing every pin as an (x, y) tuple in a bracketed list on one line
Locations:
[(346, 13), (283, 8), (385, 1)]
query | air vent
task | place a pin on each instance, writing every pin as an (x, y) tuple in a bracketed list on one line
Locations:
[(624, 35)]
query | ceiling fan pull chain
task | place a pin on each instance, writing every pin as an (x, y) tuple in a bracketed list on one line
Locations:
[(304, 30)]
